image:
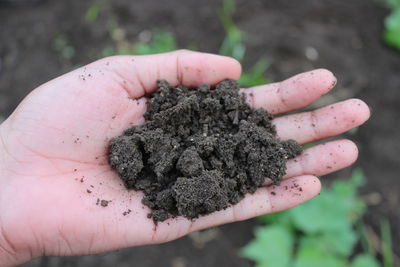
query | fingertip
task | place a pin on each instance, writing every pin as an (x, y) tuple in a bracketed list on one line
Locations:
[(234, 67), (324, 79), (311, 187), (298, 91), (328, 77), (356, 112), (316, 184), (293, 192), (316, 187), (349, 151), (323, 159), (362, 108)]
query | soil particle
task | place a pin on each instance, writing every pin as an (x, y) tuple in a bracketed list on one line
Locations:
[(104, 203), (126, 212), (201, 150)]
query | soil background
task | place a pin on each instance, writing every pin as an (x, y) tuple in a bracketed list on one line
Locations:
[(343, 36)]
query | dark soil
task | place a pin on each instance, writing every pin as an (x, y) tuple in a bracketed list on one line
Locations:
[(201, 150)]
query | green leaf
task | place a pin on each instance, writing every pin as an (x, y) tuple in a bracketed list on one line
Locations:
[(324, 213), (322, 229), (340, 242), (348, 188), (346, 191), (392, 29), (255, 75), (386, 244), (281, 218), (225, 14), (309, 145), (353, 131), (233, 44), (108, 51), (61, 45), (311, 254), (364, 260), (161, 42), (92, 13), (271, 247), (394, 3)]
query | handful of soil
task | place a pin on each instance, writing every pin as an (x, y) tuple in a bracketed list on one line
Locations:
[(201, 150)]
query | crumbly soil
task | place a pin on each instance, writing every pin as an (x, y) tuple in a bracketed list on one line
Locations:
[(201, 150)]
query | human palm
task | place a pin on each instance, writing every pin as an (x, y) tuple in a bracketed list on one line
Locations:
[(58, 195)]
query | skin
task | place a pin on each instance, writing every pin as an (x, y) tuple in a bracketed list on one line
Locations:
[(54, 149)]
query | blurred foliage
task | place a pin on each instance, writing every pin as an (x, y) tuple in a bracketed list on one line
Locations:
[(386, 245), (255, 75), (61, 45), (392, 24), (353, 131), (160, 42), (93, 12), (320, 232), (233, 44)]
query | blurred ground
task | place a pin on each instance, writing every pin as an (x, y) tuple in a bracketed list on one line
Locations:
[(343, 36)]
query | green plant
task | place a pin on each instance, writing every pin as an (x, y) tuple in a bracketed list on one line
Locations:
[(93, 12), (255, 75), (392, 24), (320, 232), (160, 42), (233, 44), (61, 45), (386, 245)]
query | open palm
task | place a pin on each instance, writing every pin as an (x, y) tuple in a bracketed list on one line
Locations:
[(58, 195)]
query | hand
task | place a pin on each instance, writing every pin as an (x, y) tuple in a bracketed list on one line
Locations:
[(53, 154)]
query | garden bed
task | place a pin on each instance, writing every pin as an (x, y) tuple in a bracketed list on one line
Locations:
[(342, 36)]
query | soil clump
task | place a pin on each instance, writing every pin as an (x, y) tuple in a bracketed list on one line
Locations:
[(201, 150)]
